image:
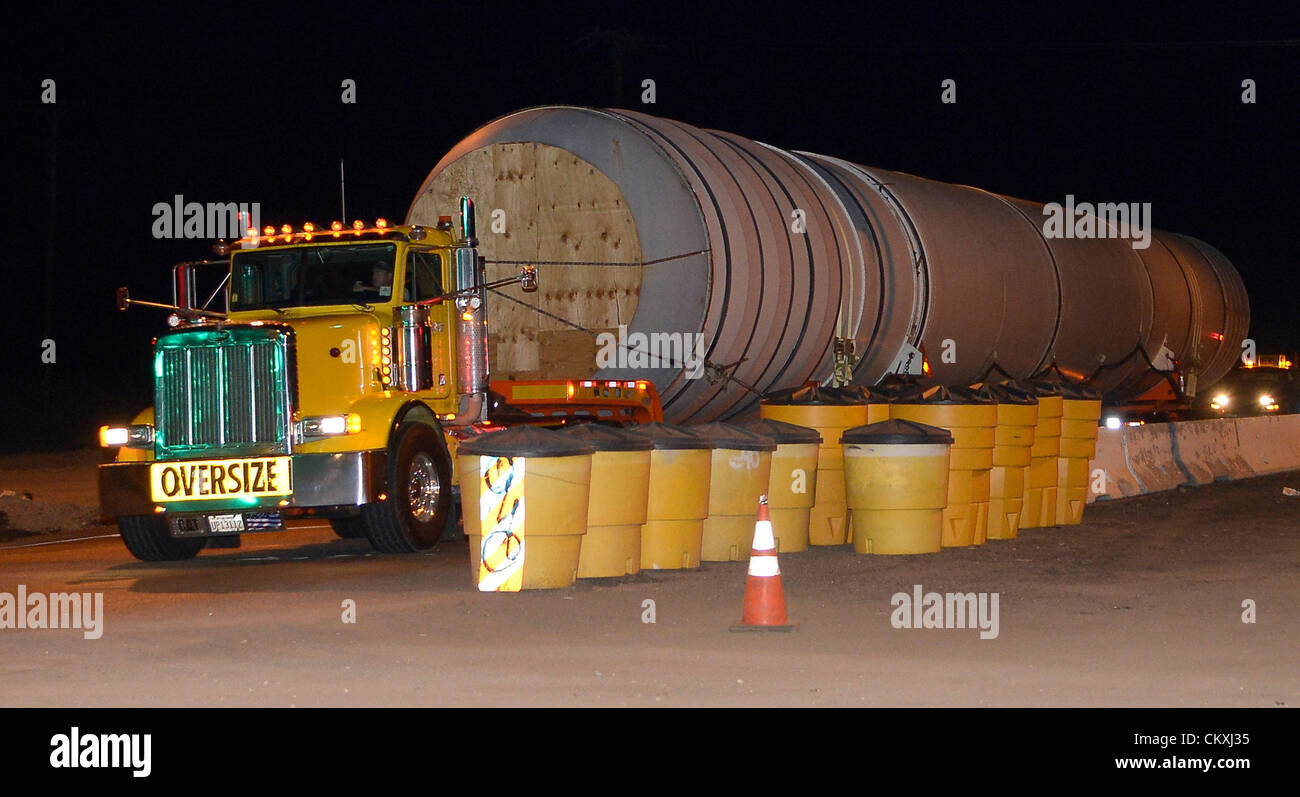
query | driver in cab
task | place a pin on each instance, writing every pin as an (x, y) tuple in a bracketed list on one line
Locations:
[(381, 283)]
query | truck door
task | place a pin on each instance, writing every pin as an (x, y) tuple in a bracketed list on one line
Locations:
[(424, 280)]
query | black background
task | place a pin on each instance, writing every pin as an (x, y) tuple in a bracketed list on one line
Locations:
[(241, 102)]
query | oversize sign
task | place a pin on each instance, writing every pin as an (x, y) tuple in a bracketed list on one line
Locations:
[(206, 480)]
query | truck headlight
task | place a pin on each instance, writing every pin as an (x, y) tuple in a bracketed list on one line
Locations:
[(1265, 400), (1220, 401), (136, 436), (329, 425)]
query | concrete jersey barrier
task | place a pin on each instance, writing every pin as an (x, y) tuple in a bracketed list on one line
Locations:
[(1136, 460)]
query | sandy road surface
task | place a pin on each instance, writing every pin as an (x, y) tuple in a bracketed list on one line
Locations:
[(1139, 606)]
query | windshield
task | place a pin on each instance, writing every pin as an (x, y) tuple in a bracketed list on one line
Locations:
[(307, 276)]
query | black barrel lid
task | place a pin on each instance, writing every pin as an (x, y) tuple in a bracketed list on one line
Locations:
[(897, 431), (724, 435), (526, 441), (896, 390), (610, 438), (809, 394), (1074, 391), (665, 436), (1007, 393), (939, 394), (859, 394), (1036, 387), (783, 432)]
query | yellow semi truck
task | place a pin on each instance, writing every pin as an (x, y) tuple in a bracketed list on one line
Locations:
[(347, 363)]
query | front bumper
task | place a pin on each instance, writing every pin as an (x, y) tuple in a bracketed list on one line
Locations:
[(343, 479)]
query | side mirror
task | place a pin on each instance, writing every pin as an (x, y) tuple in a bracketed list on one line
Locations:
[(123, 298), (528, 279)]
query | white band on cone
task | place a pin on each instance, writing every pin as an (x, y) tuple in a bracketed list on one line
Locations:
[(763, 540), (764, 566)]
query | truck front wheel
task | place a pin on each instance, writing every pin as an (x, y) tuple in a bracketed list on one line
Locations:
[(147, 538), (418, 505)]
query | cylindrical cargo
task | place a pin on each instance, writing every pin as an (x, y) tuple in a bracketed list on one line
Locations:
[(524, 494), (792, 487), (780, 265), (1012, 454), (678, 498), (1080, 411), (896, 478), (741, 469), (620, 490), (972, 420), (829, 412), (1041, 477)]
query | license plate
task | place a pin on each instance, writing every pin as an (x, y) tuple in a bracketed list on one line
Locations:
[(225, 524), (220, 479)]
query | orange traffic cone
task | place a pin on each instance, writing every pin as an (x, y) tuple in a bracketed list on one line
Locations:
[(764, 595)]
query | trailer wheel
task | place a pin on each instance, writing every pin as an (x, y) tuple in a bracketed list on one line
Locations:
[(418, 507), (147, 538)]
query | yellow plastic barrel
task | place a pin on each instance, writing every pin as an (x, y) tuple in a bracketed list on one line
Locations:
[(792, 487), (678, 498), (878, 397), (741, 469), (971, 418), (617, 508), (1080, 412), (829, 412), (524, 494), (1012, 453), (896, 482), (1041, 476)]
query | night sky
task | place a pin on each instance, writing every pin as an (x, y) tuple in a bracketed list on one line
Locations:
[(242, 103)]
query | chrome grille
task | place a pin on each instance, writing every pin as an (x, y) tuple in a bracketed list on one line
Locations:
[(223, 392)]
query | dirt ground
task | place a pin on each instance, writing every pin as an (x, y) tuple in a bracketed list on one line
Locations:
[(40, 493), (1139, 606)]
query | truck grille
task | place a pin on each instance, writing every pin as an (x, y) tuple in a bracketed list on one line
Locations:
[(224, 392)]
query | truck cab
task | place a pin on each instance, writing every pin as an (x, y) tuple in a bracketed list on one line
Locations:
[(326, 388)]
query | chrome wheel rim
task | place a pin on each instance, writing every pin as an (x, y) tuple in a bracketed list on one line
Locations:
[(423, 488)]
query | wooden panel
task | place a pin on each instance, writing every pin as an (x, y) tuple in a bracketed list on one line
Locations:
[(557, 207)]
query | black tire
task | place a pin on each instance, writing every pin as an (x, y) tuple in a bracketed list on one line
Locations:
[(349, 528), (419, 504), (455, 530), (147, 538)]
